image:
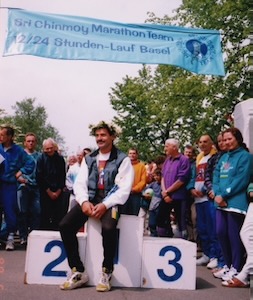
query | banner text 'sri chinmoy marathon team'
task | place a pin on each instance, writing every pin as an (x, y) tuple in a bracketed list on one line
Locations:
[(81, 38)]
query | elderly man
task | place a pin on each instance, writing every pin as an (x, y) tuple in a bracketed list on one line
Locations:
[(51, 174), (175, 175), (103, 182)]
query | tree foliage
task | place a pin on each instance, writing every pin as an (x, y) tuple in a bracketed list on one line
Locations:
[(29, 117), (151, 109), (166, 101)]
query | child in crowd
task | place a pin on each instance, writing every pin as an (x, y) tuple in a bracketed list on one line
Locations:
[(154, 199)]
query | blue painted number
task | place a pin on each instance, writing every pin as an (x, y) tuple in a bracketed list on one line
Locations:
[(174, 262), (48, 271)]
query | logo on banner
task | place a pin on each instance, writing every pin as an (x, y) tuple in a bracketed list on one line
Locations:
[(197, 50)]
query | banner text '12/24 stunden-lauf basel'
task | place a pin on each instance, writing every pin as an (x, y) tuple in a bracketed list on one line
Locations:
[(81, 38)]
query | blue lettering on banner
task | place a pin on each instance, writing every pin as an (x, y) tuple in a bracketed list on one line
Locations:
[(173, 262), (65, 37), (145, 49), (59, 42), (48, 270)]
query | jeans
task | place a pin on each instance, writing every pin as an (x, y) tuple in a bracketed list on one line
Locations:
[(152, 221), (29, 209)]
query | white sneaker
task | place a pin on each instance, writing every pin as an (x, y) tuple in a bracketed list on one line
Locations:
[(75, 280), (203, 260), (23, 242), (230, 274), (213, 263), (9, 245), (221, 272), (104, 282)]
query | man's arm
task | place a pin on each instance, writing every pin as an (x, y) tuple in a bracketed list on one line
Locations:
[(183, 176), (80, 186), (28, 165), (175, 186), (250, 191), (124, 181), (163, 189), (80, 189)]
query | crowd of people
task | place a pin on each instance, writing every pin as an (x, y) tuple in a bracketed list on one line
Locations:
[(200, 194), (35, 187)]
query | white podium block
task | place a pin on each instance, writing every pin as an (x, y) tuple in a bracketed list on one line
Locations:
[(46, 261), (168, 263), (127, 267)]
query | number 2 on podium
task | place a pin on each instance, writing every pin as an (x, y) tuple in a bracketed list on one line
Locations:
[(48, 270)]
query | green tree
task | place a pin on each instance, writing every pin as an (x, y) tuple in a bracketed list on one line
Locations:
[(153, 107), (29, 117), (4, 118), (170, 102)]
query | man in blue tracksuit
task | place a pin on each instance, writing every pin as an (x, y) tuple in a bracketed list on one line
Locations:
[(14, 163)]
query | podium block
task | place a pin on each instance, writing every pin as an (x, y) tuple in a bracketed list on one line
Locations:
[(168, 263), (46, 261), (127, 267)]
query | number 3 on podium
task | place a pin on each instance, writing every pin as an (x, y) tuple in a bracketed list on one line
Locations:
[(174, 262)]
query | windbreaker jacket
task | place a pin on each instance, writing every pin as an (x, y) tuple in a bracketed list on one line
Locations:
[(51, 172), (15, 159), (231, 179)]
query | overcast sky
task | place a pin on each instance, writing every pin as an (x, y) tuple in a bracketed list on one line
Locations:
[(74, 93)]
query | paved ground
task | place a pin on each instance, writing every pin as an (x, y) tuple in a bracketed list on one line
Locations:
[(12, 287)]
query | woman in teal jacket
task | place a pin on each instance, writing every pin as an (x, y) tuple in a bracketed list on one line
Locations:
[(230, 181)]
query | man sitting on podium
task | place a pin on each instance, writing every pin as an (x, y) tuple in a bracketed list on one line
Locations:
[(104, 181)]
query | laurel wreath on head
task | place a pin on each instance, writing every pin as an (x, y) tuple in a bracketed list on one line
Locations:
[(102, 124)]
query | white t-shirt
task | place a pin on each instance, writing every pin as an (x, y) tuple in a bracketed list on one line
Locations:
[(200, 178)]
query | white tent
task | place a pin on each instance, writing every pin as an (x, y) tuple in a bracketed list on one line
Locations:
[(243, 119)]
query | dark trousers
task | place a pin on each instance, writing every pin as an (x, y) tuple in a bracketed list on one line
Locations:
[(9, 204), (52, 211), (152, 221), (163, 218), (70, 225), (29, 210), (132, 205), (228, 226)]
